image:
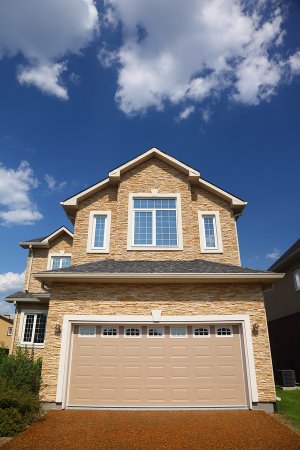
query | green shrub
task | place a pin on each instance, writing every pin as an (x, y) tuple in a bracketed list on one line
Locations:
[(11, 422), (21, 370), (24, 401)]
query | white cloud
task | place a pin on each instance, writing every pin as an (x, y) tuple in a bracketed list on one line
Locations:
[(177, 52), (274, 254), (11, 281), (294, 62), (45, 32), (185, 113), (16, 205), (53, 184), (206, 114), (6, 308)]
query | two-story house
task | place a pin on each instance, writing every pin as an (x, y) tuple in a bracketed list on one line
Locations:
[(283, 313), (155, 310)]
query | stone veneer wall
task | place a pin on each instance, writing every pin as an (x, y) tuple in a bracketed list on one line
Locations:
[(155, 174), (40, 259), (172, 300)]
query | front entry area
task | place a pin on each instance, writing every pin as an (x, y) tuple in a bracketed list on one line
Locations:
[(157, 366)]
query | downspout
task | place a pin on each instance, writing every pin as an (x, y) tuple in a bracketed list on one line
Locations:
[(29, 268)]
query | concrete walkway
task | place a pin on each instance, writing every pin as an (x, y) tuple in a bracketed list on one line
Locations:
[(154, 430)]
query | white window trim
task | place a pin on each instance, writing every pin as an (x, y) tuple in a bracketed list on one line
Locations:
[(133, 337), (297, 289), (22, 328), (70, 320), (130, 232), (178, 337), (61, 254), (87, 335), (201, 336), (110, 336), (11, 331), (218, 233), (156, 337), (224, 335), (105, 248)]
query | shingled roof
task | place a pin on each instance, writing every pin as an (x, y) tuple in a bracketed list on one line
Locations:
[(190, 266), (291, 255)]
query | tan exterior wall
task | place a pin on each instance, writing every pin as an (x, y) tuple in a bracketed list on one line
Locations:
[(5, 340), (40, 259), (155, 174), (172, 300)]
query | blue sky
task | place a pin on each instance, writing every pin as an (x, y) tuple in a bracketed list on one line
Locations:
[(116, 81)]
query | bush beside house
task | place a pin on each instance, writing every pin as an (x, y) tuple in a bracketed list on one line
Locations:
[(20, 381)]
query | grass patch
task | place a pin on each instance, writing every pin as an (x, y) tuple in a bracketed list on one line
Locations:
[(289, 407)]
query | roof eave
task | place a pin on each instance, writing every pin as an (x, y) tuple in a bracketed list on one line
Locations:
[(37, 298), (100, 277)]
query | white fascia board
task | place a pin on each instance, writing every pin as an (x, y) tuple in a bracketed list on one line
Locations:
[(235, 201), (155, 277), (56, 233), (73, 201), (45, 242)]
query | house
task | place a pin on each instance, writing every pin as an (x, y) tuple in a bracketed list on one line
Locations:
[(283, 312), (146, 305), (6, 329)]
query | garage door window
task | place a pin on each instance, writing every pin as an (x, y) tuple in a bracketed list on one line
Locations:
[(178, 332), (133, 332), (110, 331), (201, 332), (224, 331), (87, 331), (156, 332)]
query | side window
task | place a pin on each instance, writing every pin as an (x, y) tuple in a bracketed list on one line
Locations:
[(297, 279), (58, 262), (210, 232), (34, 328), (9, 331), (99, 232)]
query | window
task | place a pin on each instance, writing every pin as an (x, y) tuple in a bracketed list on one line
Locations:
[(132, 332), (87, 331), (34, 328), (154, 222), (178, 332), (99, 232), (201, 331), (297, 279), (110, 331), (224, 331), (9, 331), (210, 232), (156, 331), (58, 262)]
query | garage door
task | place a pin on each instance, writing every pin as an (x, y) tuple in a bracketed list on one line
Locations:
[(157, 366)]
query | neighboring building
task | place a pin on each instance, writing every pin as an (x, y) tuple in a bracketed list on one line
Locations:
[(155, 309), (283, 312), (6, 330)]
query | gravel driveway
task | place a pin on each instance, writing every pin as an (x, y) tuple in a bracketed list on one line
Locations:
[(168, 430)]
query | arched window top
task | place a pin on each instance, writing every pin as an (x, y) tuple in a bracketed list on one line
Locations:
[(224, 331), (110, 331), (201, 331), (133, 332)]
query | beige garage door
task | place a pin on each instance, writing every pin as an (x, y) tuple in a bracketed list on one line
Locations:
[(157, 366)]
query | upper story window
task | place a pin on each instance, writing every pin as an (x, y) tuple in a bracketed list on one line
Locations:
[(297, 279), (155, 223), (210, 232), (99, 232), (58, 262), (34, 328)]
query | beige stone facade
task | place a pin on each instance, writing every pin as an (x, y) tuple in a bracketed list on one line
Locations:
[(172, 300)]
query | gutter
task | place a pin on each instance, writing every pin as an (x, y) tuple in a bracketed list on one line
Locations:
[(100, 277)]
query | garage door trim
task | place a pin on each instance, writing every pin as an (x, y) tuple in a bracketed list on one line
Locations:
[(70, 320)]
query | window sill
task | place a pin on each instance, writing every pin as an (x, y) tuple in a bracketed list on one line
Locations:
[(212, 251), (31, 345), (155, 249), (90, 250)]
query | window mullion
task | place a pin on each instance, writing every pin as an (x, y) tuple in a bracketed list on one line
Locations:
[(154, 227), (33, 328), (215, 232)]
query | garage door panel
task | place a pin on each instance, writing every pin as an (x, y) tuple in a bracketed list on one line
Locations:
[(157, 371)]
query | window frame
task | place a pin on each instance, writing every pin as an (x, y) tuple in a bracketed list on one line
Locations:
[(133, 336), (9, 331), (106, 336), (179, 336), (296, 271), (150, 327), (87, 335), (217, 229), (57, 255), (91, 232), (23, 325), (154, 194), (200, 336)]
